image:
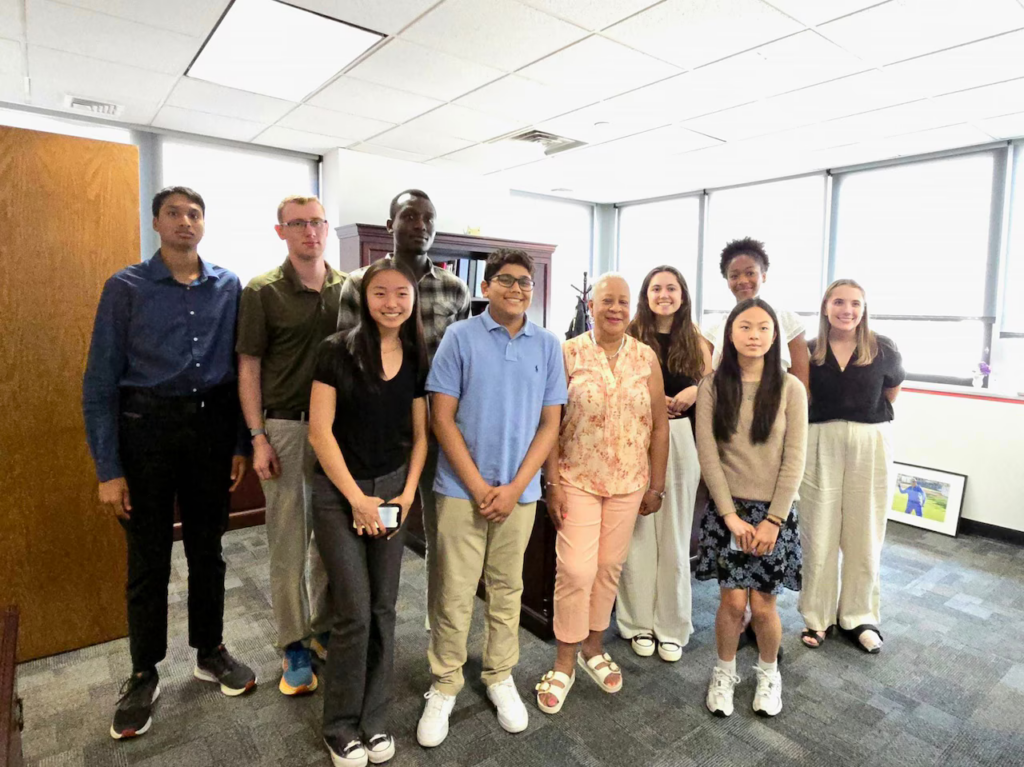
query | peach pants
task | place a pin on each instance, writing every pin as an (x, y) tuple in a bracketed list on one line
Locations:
[(591, 547)]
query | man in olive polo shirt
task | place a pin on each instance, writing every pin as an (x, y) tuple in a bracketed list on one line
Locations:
[(283, 317)]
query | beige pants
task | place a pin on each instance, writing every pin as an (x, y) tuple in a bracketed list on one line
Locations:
[(654, 593), (843, 503), (469, 546), (298, 581)]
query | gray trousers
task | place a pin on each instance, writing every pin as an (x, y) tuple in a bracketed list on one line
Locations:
[(364, 574)]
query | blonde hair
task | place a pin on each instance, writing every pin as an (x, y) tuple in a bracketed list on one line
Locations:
[(298, 199), (867, 342)]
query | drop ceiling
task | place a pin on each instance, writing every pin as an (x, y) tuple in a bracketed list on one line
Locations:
[(670, 96)]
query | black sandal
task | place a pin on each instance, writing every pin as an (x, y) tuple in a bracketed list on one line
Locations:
[(855, 633), (817, 636)]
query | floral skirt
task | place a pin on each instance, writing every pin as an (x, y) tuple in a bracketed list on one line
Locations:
[(770, 573)]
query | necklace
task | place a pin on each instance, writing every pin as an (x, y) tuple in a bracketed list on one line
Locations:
[(606, 354)]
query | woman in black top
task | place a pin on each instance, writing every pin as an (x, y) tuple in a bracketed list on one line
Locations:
[(854, 378), (654, 590), (368, 427)]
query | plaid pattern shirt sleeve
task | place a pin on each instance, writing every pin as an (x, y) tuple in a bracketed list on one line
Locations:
[(444, 299), (348, 301)]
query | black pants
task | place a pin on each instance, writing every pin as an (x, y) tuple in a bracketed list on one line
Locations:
[(178, 448), (363, 574)]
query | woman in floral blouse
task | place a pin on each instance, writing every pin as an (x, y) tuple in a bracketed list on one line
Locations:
[(608, 467)]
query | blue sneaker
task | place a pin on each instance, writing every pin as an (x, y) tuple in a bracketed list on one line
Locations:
[(298, 677)]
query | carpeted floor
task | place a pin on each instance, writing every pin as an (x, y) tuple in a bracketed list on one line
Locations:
[(947, 690)]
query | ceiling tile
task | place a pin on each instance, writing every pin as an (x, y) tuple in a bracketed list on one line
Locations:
[(460, 122), (385, 151), (987, 101), (202, 96), (839, 98), (330, 123), (1004, 127), (389, 17), (605, 121), (903, 29), (591, 14), (57, 73), (410, 67), (939, 139), (108, 38), (660, 142), (812, 12), (519, 98), (195, 18), (12, 58), (694, 32), (12, 23), (695, 93), (598, 68), (487, 158), (189, 121), (12, 88), (357, 97), (500, 33), (299, 141), (49, 95), (969, 66), (420, 142)]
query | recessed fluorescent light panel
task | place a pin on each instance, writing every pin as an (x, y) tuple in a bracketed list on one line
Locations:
[(268, 47)]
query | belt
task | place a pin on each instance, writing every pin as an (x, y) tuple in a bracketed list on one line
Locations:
[(146, 401), (287, 415)]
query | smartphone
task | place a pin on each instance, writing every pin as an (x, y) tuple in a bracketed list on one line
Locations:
[(733, 543), (390, 515)]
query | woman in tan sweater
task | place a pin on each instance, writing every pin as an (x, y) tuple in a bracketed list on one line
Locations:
[(751, 441)]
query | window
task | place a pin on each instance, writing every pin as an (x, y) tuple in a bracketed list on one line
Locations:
[(788, 217), (656, 233), (916, 236), (1013, 294), (569, 226), (242, 189)]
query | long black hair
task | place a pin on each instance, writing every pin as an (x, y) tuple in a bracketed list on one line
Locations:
[(729, 384), (363, 341)]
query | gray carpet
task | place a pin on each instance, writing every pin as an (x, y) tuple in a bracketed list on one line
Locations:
[(947, 690)]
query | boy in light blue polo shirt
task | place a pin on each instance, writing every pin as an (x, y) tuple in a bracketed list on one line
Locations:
[(497, 385)]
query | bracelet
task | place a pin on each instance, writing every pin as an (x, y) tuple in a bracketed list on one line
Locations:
[(659, 493), (552, 484), (774, 521), (254, 433)]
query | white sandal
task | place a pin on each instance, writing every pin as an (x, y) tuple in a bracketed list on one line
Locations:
[(600, 674), (643, 645), (545, 687)]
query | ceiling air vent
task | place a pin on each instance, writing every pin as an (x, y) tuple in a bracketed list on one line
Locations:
[(552, 144), (98, 108)]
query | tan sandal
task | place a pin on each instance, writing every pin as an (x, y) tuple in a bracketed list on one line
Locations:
[(599, 673), (546, 688)]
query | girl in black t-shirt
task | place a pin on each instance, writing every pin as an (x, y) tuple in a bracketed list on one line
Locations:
[(855, 376), (654, 592), (368, 428)]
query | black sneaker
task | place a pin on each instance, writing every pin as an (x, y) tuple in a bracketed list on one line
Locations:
[(133, 715), (219, 667)]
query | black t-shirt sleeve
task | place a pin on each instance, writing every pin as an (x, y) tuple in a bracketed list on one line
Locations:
[(894, 373)]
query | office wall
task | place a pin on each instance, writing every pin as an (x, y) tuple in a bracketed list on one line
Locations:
[(983, 439)]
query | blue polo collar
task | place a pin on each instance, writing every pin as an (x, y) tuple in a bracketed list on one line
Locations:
[(490, 323)]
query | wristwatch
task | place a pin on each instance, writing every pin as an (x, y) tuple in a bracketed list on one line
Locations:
[(254, 433)]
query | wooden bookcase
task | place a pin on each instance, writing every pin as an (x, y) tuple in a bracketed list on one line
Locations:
[(361, 245)]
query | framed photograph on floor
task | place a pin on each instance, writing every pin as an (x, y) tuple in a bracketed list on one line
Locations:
[(927, 498)]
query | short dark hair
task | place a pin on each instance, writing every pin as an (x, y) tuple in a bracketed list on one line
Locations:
[(191, 194), (748, 246), (412, 193), (503, 256)]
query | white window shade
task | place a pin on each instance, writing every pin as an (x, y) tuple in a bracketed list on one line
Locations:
[(788, 217), (242, 189), (1013, 294)]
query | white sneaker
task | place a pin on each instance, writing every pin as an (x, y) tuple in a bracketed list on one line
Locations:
[(720, 692), (512, 714), (380, 748), (669, 652), (768, 697), (433, 726), (643, 645), (352, 755)]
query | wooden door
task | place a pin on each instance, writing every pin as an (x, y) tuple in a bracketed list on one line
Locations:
[(69, 218)]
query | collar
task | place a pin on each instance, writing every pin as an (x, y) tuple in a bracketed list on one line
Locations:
[(433, 270), (528, 328), (288, 270), (158, 270)]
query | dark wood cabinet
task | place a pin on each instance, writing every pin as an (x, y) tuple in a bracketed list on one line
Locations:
[(11, 718), (361, 245)]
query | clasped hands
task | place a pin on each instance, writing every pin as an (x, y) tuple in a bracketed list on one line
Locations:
[(758, 540)]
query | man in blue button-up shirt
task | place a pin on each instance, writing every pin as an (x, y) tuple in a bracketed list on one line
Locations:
[(163, 425)]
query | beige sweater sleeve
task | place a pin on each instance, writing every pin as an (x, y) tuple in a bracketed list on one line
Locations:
[(707, 449), (794, 449)]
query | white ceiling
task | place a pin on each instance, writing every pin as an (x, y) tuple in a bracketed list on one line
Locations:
[(670, 96)]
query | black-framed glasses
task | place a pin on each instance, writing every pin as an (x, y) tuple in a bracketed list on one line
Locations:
[(507, 281), (299, 224)]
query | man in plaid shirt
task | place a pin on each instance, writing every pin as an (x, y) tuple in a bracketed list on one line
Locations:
[(444, 298)]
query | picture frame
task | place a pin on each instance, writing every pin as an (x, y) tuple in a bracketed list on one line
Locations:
[(936, 502)]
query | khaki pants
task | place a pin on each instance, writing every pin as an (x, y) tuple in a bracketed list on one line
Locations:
[(654, 592), (468, 546), (298, 581), (843, 503), (428, 505)]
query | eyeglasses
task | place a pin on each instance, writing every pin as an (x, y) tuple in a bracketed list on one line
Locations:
[(300, 224), (507, 281)]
